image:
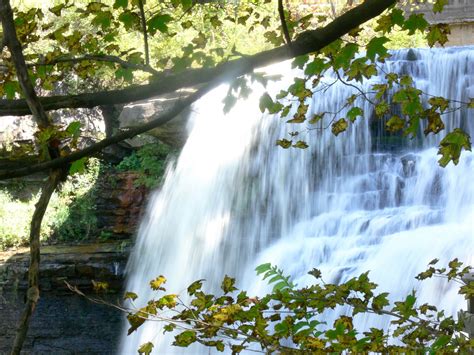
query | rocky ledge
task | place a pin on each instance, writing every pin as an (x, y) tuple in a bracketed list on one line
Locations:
[(64, 323)]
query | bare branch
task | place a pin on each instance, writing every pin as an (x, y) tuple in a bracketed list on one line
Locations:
[(307, 42)]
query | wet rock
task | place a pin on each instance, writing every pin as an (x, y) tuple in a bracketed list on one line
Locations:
[(64, 323), (103, 262), (411, 55), (409, 164), (119, 203), (173, 133)]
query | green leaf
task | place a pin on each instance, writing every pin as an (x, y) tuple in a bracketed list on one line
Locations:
[(316, 273), (260, 269), (471, 103), (11, 88), (156, 283), (452, 145), (57, 9), (316, 118), (339, 126), (74, 128), (120, 3), (301, 145), (439, 102), (435, 123), (145, 348), (382, 108), (300, 115), (284, 143), (395, 124), (376, 47), (130, 296), (136, 320), (130, 20), (438, 33), (266, 103), (229, 101), (124, 73), (345, 55), (354, 112), (299, 61), (439, 5), (159, 22), (78, 167), (103, 19), (316, 67), (194, 287), (185, 338), (380, 301), (416, 22), (228, 284)]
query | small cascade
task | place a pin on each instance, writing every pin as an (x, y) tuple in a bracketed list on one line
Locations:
[(345, 205)]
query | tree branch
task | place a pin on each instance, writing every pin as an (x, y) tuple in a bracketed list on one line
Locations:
[(178, 108), (93, 57), (55, 176), (11, 40), (307, 42), (145, 32), (284, 26)]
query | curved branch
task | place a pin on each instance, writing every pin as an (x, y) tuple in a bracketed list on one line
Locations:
[(307, 42), (178, 108)]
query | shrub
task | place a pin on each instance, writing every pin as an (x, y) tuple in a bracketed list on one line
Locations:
[(70, 215), (149, 162)]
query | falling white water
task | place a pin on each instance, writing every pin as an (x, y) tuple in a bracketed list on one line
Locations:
[(345, 205)]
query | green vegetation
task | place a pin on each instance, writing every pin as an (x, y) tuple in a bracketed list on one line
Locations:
[(149, 162), (71, 216), (289, 319)]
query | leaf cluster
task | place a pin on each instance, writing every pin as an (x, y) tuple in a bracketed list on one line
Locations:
[(291, 319)]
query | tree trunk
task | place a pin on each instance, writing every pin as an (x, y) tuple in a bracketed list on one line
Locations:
[(32, 295)]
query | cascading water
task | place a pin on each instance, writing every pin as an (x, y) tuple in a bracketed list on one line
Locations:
[(233, 200)]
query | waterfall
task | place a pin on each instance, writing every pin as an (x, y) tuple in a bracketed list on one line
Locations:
[(345, 205)]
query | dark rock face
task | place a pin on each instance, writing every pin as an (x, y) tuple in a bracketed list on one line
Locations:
[(64, 323), (119, 203)]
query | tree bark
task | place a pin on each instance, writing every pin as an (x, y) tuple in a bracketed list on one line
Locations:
[(55, 176), (32, 295)]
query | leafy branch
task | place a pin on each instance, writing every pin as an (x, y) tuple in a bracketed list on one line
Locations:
[(293, 315)]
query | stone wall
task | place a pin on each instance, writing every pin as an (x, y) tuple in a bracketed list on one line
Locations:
[(459, 14), (119, 203), (64, 323)]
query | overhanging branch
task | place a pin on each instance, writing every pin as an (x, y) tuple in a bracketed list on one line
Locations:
[(92, 57), (307, 42)]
